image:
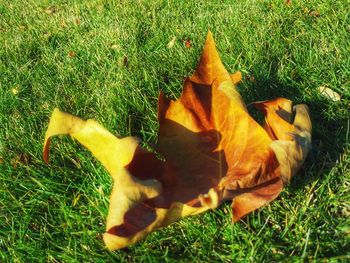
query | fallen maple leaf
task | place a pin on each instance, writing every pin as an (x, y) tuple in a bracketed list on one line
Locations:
[(212, 150)]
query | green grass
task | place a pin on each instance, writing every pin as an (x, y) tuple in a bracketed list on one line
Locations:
[(108, 60)]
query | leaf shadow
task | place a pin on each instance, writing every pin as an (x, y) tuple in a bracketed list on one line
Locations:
[(177, 187), (328, 135)]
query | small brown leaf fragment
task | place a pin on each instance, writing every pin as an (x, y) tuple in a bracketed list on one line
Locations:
[(311, 12), (250, 78), (51, 10), (21, 159), (77, 21), (314, 13), (188, 43), (47, 35), (288, 2), (71, 54), (125, 61)]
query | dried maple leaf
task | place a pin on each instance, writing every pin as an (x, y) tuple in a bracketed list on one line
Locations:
[(212, 150)]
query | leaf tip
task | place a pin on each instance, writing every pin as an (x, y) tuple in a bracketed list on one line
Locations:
[(236, 77), (47, 141), (46, 151), (210, 36), (210, 45)]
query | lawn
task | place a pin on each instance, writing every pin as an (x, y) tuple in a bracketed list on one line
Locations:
[(108, 60)]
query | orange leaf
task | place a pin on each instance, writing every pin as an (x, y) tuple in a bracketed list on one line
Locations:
[(212, 150), (188, 43)]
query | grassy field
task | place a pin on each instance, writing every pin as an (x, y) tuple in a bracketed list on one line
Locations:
[(108, 60)]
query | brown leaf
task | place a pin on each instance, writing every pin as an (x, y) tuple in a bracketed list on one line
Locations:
[(188, 43), (314, 13), (21, 159), (51, 10), (311, 12), (71, 54), (211, 150), (250, 78)]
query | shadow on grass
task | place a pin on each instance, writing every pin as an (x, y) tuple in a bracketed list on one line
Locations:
[(328, 134), (329, 141)]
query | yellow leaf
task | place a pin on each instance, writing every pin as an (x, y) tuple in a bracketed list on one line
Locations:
[(329, 93)]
